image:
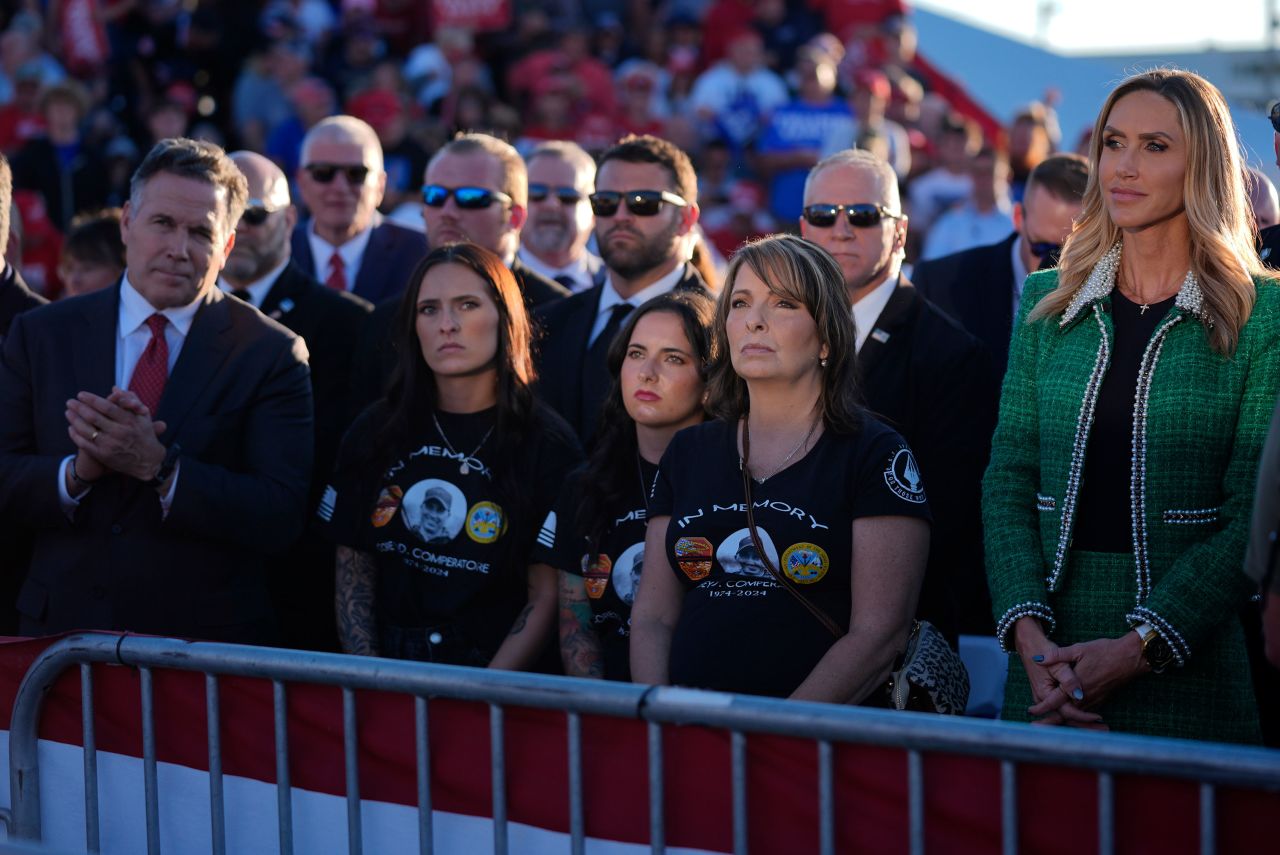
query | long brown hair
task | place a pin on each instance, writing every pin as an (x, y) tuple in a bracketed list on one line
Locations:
[(1223, 254), (412, 396), (611, 468), (806, 273)]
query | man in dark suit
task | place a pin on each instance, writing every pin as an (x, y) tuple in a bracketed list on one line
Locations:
[(919, 371), (157, 436), (259, 271), (15, 298), (346, 244), (475, 189), (982, 287), (645, 204)]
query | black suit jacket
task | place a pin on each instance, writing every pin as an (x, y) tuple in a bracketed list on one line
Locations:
[(561, 352), (932, 381), (15, 298), (329, 322), (390, 257), (238, 402), (976, 287), (15, 553), (1269, 247), (538, 290)]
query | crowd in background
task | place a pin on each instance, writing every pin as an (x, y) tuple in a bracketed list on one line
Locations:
[(755, 92)]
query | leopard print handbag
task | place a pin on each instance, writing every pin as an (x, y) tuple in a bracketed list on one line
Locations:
[(932, 677)]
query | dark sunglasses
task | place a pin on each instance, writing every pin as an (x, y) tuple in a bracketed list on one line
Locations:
[(467, 198), (566, 195), (1275, 116), (863, 215), (325, 172), (642, 203), (256, 212)]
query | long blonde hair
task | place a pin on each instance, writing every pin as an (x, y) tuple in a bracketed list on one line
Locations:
[(1223, 245)]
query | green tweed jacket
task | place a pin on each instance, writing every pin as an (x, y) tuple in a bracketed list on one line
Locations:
[(1200, 420)]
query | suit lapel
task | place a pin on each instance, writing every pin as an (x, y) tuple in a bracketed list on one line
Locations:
[(95, 345), (892, 318), (284, 294), (201, 357)]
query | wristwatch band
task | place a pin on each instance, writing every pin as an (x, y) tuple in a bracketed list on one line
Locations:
[(1154, 648), (166, 466)]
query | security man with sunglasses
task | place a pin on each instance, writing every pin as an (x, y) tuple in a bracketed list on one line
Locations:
[(345, 243), (982, 287), (554, 240), (1269, 238), (645, 205), (476, 188), (260, 271), (919, 371)]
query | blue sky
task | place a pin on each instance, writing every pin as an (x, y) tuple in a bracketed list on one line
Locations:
[(1095, 26)]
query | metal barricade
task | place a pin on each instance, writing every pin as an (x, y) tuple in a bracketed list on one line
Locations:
[(824, 724)]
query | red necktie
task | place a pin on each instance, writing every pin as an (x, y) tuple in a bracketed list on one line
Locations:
[(152, 370), (337, 273)]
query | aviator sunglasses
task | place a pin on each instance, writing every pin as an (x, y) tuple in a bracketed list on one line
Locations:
[(466, 198), (642, 203), (862, 215), (566, 195), (325, 172)]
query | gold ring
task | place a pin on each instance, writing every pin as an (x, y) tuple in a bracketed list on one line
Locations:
[(95, 435)]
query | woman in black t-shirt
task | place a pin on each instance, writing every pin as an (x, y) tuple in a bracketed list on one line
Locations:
[(805, 587), (595, 536), (439, 487)]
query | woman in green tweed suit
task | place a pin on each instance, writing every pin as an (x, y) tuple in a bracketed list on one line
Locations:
[(1155, 346)]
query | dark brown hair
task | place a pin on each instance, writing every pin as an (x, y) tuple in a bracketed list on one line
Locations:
[(806, 273), (651, 149)]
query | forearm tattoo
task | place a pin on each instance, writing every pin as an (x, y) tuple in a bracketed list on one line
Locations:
[(357, 628), (579, 645), (521, 620)]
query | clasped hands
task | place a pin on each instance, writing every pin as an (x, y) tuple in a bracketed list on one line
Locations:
[(114, 434), (1067, 682)]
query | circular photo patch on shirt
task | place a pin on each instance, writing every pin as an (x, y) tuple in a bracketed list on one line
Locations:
[(738, 555), (485, 522), (903, 477), (805, 563), (626, 572), (434, 510)]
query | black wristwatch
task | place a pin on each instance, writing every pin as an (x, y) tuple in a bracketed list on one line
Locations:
[(166, 466), (1154, 648)]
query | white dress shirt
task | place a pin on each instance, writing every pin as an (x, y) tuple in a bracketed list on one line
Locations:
[(582, 270), (867, 310), (1020, 274), (610, 298), (351, 252), (132, 337)]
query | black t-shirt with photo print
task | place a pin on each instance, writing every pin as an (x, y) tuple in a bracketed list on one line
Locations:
[(738, 631), (447, 551), (611, 570)]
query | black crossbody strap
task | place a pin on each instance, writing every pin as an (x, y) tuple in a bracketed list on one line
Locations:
[(822, 617)]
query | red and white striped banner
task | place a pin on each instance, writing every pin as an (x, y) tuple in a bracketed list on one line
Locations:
[(1058, 806)]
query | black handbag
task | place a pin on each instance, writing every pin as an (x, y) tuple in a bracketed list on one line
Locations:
[(930, 676)]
